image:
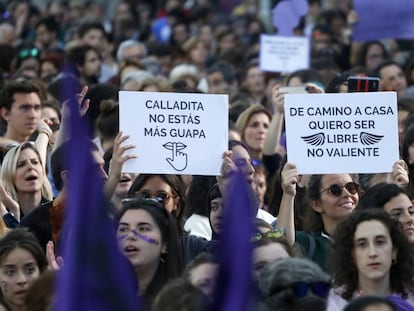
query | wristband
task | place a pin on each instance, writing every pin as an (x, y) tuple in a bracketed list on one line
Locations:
[(44, 132)]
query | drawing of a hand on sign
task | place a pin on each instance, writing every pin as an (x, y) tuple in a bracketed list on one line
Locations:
[(178, 159)]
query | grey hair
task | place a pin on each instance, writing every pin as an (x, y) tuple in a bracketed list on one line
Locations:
[(283, 273), (182, 70), (126, 44), (137, 76)]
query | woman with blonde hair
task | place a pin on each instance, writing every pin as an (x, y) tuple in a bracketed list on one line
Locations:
[(24, 181)]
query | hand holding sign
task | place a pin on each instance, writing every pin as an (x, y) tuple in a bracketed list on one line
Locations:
[(178, 159), (399, 174)]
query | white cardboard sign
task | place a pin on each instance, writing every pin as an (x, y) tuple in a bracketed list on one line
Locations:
[(283, 54), (342, 133), (175, 133)]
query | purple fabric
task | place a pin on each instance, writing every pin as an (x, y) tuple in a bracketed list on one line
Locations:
[(401, 304), (234, 283), (95, 274), (287, 14), (381, 19)]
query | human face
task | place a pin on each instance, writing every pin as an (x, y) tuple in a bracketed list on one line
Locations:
[(23, 116), (266, 254), (92, 66), (374, 57), (242, 160), (227, 42), (95, 38), (260, 187), (139, 239), (133, 52), (204, 277), (373, 252), (156, 184), (50, 114), (29, 175), (124, 184), (411, 154), (198, 55), (47, 69), (44, 36), (393, 79), (402, 120), (401, 208), (216, 215), (256, 130), (18, 271), (206, 34), (332, 207), (255, 81), (180, 33), (217, 84), (100, 162)]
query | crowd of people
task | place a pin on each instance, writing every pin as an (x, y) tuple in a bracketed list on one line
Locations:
[(317, 242)]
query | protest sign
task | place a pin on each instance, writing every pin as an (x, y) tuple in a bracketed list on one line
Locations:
[(389, 19), (342, 133), (283, 54), (175, 133)]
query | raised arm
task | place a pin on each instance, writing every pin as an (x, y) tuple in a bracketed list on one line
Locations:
[(272, 139), (286, 217), (42, 140), (63, 135), (117, 162)]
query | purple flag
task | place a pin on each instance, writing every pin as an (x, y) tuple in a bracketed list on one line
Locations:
[(95, 275), (234, 284), (382, 19), (287, 15)]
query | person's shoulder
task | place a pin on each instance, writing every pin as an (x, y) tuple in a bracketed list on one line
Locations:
[(39, 212), (335, 300)]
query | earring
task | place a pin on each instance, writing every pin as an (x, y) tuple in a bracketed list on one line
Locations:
[(163, 259), (393, 261)]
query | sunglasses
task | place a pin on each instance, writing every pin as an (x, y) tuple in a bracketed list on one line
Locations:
[(336, 190), (159, 196), (272, 234), (301, 289), (34, 52)]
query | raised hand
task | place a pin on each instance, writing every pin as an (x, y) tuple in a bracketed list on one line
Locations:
[(8, 203)]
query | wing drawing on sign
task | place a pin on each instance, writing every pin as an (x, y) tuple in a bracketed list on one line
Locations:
[(178, 159), (317, 139), (369, 139)]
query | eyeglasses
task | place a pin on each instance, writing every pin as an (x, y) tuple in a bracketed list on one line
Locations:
[(336, 190), (301, 289), (34, 52), (159, 196), (272, 234)]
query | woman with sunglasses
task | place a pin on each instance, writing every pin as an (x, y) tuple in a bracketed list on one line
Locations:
[(332, 198), (372, 257), (294, 284), (148, 237), (169, 190)]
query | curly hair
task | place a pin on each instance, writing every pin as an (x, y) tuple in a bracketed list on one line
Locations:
[(342, 260)]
